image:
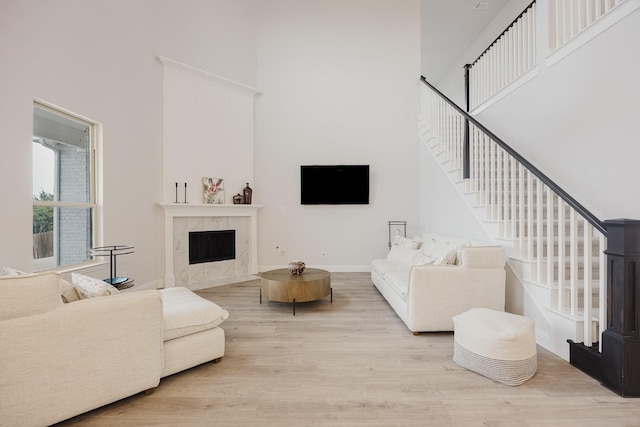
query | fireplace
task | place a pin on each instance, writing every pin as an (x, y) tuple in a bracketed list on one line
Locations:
[(182, 219), (211, 246)]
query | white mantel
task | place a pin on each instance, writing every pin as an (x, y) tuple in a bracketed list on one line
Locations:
[(189, 210)]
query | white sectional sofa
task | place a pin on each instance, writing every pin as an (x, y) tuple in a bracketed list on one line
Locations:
[(431, 278), (58, 360)]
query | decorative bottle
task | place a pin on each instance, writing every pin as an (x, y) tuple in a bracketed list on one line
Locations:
[(247, 191)]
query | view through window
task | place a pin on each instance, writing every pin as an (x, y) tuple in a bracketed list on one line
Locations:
[(63, 188)]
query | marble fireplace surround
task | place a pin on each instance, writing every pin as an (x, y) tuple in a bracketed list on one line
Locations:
[(180, 219)]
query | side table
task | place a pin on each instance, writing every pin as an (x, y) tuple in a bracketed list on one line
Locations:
[(112, 252)]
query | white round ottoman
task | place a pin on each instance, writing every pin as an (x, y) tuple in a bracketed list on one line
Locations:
[(501, 346)]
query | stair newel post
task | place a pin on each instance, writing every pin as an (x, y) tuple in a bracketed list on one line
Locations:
[(621, 340), (466, 169)]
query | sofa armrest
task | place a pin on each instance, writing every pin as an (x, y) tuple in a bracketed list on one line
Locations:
[(438, 292), (79, 356), (482, 256)]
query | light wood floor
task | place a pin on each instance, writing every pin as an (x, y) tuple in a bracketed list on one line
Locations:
[(353, 363)]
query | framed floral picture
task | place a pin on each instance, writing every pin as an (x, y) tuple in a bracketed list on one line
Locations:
[(213, 190)]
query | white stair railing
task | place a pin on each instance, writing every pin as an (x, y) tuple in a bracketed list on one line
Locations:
[(514, 52), (568, 18), (557, 241), (511, 55)]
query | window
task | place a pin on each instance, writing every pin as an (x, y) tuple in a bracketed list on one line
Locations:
[(64, 188)]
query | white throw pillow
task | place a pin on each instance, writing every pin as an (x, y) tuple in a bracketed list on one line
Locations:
[(449, 258), (404, 242), (402, 255), (422, 259), (88, 287), (68, 292), (28, 295), (459, 253), (407, 256), (430, 247)]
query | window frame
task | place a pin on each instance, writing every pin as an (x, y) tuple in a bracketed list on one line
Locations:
[(94, 185)]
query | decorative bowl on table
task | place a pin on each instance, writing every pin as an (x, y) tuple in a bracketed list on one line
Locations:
[(296, 267)]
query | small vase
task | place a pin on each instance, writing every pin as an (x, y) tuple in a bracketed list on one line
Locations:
[(238, 199), (296, 267), (247, 192)]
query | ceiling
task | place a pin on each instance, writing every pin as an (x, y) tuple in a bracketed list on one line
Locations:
[(448, 28)]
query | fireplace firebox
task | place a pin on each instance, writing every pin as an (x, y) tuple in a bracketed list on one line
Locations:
[(210, 246)]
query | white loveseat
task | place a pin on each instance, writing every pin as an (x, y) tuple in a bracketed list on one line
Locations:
[(431, 278), (59, 360)]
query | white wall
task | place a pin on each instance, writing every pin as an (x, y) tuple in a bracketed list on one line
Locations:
[(208, 132), (218, 36), (442, 209), (98, 59), (339, 82)]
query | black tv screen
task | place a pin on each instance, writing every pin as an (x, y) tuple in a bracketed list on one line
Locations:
[(334, 185)]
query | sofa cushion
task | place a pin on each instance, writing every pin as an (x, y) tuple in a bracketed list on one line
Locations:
[(399, 281), (27, 295), (186, 313), (383, 266), (88, 287)]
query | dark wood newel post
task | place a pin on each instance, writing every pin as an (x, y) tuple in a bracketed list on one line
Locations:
[(466, 169), (621, 340)]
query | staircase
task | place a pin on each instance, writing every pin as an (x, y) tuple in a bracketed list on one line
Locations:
[(555, 247), (556, 262)]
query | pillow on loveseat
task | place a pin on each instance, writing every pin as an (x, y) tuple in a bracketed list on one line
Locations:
[(448, 258), (27, 295), (407, 256), (88, 287), (68, 292), (405, 242)]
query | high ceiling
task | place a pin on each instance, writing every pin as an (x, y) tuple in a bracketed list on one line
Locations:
[(449, 27)]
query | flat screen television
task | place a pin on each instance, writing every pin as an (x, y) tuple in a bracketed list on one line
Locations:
[(334, 185)]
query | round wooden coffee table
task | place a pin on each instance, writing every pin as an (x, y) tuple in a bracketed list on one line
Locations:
[(282, 286)]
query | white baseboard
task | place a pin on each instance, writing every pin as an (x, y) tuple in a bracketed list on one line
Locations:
[(543, 339)]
